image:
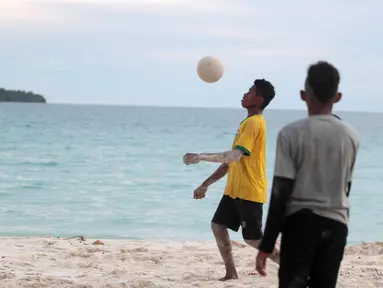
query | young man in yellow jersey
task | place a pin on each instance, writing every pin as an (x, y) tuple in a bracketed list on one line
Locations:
[(246, 187)]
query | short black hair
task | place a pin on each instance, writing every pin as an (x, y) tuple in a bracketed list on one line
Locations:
[(265, 89), (323, 79)]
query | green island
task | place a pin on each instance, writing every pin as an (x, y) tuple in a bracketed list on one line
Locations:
[(20, 96)]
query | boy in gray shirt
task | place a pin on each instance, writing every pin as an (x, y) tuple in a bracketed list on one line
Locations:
[(312, 180)]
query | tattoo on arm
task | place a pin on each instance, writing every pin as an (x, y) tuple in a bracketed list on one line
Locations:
[(223, 157)]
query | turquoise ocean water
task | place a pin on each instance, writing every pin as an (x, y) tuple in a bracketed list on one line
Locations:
[(117, 172)]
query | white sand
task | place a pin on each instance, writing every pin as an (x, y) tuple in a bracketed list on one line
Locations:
[(49, 262)]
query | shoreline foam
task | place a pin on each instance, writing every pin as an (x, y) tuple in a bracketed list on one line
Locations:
[(53, 262)]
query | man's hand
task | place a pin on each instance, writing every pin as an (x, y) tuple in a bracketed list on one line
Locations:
[(191, 158), (200, 192), (260, 263)]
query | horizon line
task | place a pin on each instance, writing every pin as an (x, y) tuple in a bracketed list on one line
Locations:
[(182, 107)]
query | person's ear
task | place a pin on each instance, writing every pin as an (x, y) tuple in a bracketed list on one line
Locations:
[(260, 100), (303, 95), (338, 97)]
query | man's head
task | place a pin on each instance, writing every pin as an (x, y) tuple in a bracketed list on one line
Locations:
[(321, 87), (259, 95)]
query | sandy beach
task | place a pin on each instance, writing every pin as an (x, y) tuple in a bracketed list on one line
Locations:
[(52, 262)]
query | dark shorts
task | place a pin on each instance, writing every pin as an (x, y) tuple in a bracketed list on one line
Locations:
[(233, 213), (312, 249)]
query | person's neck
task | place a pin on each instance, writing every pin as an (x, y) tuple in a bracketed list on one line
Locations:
[(321, 111), (253, 111)]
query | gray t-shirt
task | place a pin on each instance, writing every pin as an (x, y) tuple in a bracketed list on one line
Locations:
[(319, 153)]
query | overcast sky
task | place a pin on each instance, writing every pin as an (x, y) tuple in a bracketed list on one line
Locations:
[(145, 52)]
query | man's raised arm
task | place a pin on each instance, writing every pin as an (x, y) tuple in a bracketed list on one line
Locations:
[(226, 157), (244, 144)]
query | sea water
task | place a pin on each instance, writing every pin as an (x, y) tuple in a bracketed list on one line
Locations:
[(117, 172)]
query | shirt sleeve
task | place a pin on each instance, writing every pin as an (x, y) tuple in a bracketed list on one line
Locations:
[(284, 158), (248, 135), (355, 153)]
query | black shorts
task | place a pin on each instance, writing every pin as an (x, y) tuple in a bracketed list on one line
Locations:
[(233, 213), (312, 250)]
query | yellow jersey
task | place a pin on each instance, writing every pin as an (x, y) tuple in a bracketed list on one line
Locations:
[(247, 177)]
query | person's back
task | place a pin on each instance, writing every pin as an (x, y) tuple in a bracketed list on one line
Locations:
[(312, 181), (324, 148)]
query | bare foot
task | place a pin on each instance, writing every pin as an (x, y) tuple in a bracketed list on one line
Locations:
[(227, 277)]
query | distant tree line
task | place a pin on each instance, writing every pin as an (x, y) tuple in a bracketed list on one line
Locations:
[(20, 96)]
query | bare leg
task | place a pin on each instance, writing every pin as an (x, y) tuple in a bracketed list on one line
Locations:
[(255, 243), (224, 245)]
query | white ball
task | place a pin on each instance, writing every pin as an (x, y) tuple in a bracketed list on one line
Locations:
[(210, 69)]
